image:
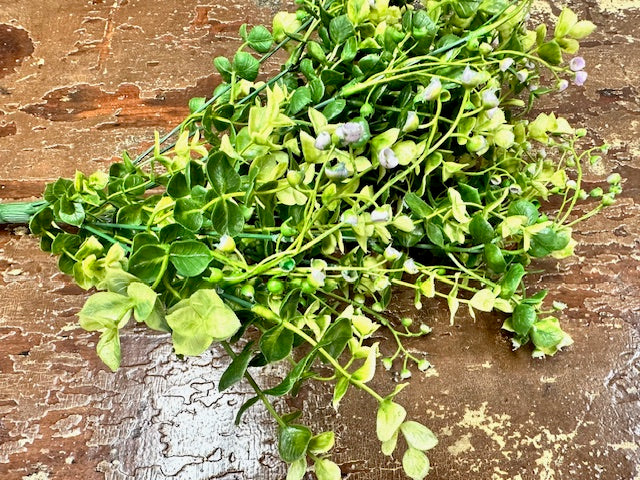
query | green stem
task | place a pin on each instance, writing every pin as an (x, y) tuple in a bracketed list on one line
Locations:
[(19, 212)]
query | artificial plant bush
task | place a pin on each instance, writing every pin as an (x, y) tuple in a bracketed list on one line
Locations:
[(393, 149)]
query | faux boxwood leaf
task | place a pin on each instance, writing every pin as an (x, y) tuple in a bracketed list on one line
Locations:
[(301, 98), (246, 66), (260, 39), (418, 436), (523, 318), (199, 320), (293, 441), (276, 343), (190, 257), (148, 262), (415, 463), (188, 214), (235, 371), (340, 28), (227, 217)]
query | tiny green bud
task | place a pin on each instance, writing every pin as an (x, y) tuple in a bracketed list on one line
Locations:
[(359, 298), (387, 363), (581, 132), (294, 177), (615, 189), (406, 321), (216, 275), (608, 200), (366, 110), (614, 179), (307, 288), (275, 286), (405, 373), (423, 365), (227, 244), (485, 48), (247, 291), (424, 328), (476, 143), (596, 192)]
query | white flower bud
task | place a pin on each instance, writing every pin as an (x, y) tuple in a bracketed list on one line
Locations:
[(387, 158), (323, 141)]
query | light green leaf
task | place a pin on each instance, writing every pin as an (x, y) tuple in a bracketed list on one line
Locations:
[(108, 348), (327, 470), (322, 443), (199, 320), (483, 300), (389, 446), (143, 299), (246, 66), (339, 391), (418, 436), (105, 310), (190, 257), (368, 369), (297, 469), (458, 208), (389, 418), (415, 464), (260, 39), (293, 441)]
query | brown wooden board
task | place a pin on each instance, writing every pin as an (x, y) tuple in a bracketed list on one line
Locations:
[(82, 80)]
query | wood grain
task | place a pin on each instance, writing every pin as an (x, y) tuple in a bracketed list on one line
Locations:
[(81, 82)]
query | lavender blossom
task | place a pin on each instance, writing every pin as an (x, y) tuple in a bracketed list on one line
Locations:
[(576, 64), (580, 78), (563, 85), (323, 141), (350, 132), (387, 158)]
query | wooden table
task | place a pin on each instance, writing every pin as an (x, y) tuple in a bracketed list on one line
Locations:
[(82, 80)]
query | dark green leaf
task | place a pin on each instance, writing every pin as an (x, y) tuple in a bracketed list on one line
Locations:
[(223, 177), (41, 221), (480, 229), (292, 377), (196, 104), (418, 207), (293, 441), (246, 66), (65, 242), (260, 39), (177, 186), (525, 208), (334, 108), (435, 235), (301, 98), (227, 217), (276, 343), (341, 28), (71, 213), (494, 258), (336, 337), (188, 214), (349, 50), (331, 77), (148, 263), (316, 87), (511, 280), (223, 65), (550, 52), (523, 318), (245, 406), (235, 371), (190, 257), (144, 238)]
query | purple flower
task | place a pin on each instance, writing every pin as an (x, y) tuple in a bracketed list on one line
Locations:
[(339, 172), (576, 64), (350, 132), (580, 78), (387, 158), (563, 85), (323, 141)]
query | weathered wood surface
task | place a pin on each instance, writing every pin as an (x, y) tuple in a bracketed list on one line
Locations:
[(82, 80)]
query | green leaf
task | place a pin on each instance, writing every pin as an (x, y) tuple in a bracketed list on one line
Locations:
[(297, 469), (190, 257), (341, 28), (548, 337), (71, 213), (418, 436), (130, 214), (316, 88), (525, 208), (435, 235), (366, 372), (483, 300), (480, 229), (221, 174), (299, 100), (224, 68), (276, 343), (260, 39), (336, 337), (246, 66), (389, 418), (334, 108), (458, 208), (322, 443), (511, 280), (199, 320), (415, 464), (326, 469), (227, 217), (350, 50), (417, 205), (157, 319), (494, 258), (41, 221), (294, 375), (143, 299), (236, 370), (104, 311), (523, 318), (188, 214), (550, 52), (148, 263), (293, 441), (244, 407), (177, 186), (108, 348)]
